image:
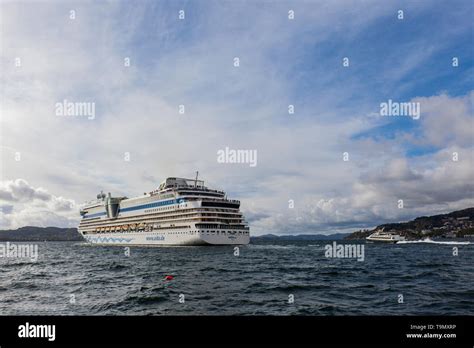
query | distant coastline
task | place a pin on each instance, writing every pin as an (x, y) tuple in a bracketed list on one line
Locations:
[(457, 224), (32, 233), (38, 234), (297, 237)]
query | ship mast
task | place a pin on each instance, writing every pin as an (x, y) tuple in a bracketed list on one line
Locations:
[(196, 181)]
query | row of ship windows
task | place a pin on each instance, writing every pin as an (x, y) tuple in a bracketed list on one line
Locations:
[(210, 227), (207, 232), (165, 208), (174, 207), (164, 216), (193, 215), (194, 210)]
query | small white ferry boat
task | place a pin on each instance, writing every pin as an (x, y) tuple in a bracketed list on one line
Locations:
[(385, 237)]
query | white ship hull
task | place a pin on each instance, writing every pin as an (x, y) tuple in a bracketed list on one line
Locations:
[(157, 239)]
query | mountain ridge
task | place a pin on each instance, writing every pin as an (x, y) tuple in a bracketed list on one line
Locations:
[(34, 233), (458, 223)]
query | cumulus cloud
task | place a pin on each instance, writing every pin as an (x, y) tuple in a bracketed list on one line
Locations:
[(20, 190), (190, 63), (22, 204), (447, 120), (375, 199)]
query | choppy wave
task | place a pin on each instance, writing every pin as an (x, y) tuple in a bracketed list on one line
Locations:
[(259, 281)]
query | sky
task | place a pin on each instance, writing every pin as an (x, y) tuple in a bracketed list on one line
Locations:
[(336, 164)]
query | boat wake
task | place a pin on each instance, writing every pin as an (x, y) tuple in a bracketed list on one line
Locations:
[(429, 241)]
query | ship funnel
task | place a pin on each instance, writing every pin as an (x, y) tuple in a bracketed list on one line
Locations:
[(112, 206)]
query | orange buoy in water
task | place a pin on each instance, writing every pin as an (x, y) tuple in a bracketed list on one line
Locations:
[(168, 277)]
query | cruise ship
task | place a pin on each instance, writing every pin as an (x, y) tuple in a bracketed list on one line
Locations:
[(179, 212)]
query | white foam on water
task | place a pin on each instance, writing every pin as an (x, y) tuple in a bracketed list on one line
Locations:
[(271, 246), (429, 241)]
